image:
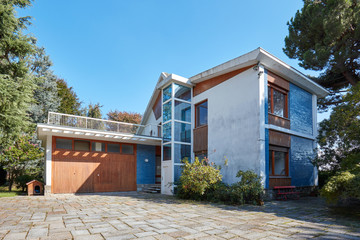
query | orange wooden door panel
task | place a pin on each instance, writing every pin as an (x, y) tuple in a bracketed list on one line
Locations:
[(75, 172)]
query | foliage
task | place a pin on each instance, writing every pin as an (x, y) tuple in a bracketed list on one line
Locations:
[(343, 186), (325, 36), (46, 92), (250, 186), (25, 157), (339, 136), (128, 117), (69, 101), (248, 190), (21, 181), (202, 181), (94, 110), (16, 83), (2, 176), (339, 145), (196, 178)]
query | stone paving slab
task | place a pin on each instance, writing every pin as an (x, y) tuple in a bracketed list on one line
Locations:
[(147, 216)]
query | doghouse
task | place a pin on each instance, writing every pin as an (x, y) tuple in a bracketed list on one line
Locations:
[(35, 187)]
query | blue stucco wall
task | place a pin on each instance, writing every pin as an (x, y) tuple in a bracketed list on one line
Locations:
[(301, 168), (145, 171), (300, 110)]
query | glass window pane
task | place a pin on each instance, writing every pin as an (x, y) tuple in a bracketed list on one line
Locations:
[(113, 148), (167, 132), (63, 143), (270, 163), (279, 103), (177, 173), (183, 111), (82, 145), (167, 152), (182, 132), (167, 112), (167, 93), (182, 92), (202, 114), (181, 152), (127, 149), (279, 165), (98, 147)]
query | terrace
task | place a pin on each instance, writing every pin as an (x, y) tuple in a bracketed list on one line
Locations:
[(82, 127)]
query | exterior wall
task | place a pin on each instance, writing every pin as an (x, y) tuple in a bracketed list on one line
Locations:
[(145, 171), (233, 124), (302, 171), (300, 114), (153, 123), (48, 167)]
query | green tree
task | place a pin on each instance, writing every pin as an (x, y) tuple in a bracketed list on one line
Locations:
[(69, 101), (325, 36), (339, 145), (94, 110), (16, 83), (46, 93), (24, 157), (128, 117)]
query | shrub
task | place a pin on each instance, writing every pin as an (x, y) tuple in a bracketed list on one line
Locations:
[(21, 181), (343, 186), (249, 187), (197, 178)]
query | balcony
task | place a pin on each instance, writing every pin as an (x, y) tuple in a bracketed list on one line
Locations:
[(87, 123)]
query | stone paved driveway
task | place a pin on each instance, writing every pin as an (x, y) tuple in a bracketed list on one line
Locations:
[(145, 216)]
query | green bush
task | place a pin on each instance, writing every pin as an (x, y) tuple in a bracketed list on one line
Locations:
[(250, 187), (202, 181), (196, 178), (21, 181), (343, 186)]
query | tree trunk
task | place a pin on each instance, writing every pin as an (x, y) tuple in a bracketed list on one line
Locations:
[(349, 78)]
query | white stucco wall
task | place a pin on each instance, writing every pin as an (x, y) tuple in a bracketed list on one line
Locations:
[(233, 124), (48, 155), (152, 125)]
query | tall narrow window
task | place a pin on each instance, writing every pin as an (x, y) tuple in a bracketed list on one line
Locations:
[(278, 161), (277, 101), (201, 114)]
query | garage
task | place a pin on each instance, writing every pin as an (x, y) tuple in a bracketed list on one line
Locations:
[(84, 166)]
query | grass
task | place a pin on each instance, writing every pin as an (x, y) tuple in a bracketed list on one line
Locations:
[(4, 192)]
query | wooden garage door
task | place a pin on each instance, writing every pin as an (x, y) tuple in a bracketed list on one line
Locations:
[(79, 171)]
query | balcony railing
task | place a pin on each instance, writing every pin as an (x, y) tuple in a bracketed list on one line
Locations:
[(68, 120)]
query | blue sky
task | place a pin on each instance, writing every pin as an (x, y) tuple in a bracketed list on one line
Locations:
[(113, 51)]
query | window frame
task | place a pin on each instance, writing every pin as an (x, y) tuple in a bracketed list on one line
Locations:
[(196, 113), (272, 150), (91, 141), (273, 87)]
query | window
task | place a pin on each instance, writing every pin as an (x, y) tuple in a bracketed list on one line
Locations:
[(127, 149), (182, 92), (167, 93), (182, 132), (201, 114), (279, 161), (98, 147), (63, 143), (113, 148), (277, 101), (182, 111), (167, 152), (82, 145)]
